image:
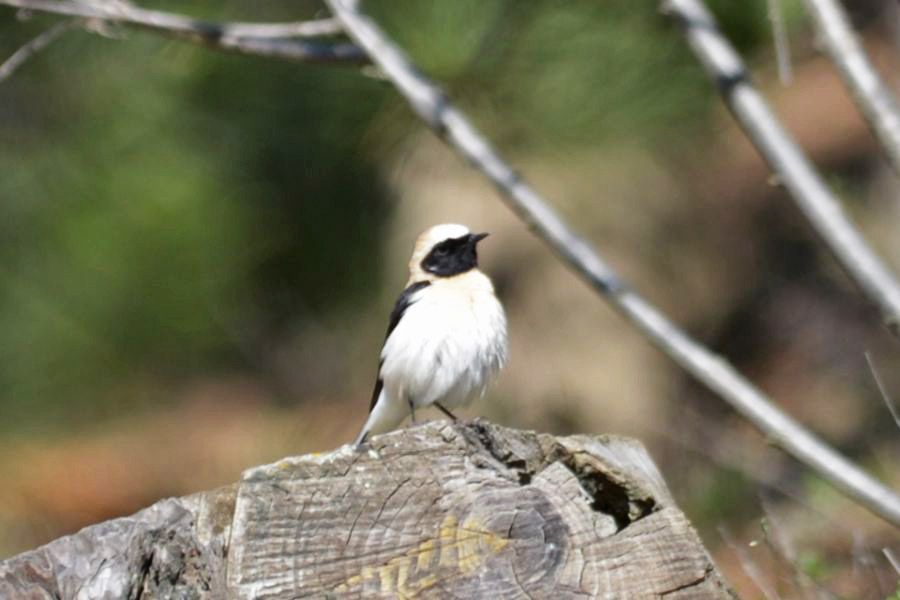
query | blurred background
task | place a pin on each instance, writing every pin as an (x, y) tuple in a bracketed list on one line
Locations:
[(199, 251)]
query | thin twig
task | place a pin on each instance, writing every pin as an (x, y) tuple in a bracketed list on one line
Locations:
[(778, 539), (749, 566), (782, 48), (271, 40), (429, 102), (820, 207), (892, 558), (34, 46), (865, 567), (873, 98), (888, 401)]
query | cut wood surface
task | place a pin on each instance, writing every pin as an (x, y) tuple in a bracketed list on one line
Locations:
[(442, 510)]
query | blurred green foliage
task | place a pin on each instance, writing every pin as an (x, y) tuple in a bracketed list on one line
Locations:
[(814, 565), (162, 204), (720, 494)]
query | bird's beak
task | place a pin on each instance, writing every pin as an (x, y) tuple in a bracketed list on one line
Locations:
[(477, 237)]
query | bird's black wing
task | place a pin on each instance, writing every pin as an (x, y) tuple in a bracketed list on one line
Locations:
[(403, 302)]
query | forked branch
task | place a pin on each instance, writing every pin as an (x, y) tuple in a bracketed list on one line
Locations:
[(816, 202)]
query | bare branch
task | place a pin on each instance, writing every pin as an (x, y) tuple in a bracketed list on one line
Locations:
[(782, 48), (777, 537), (872, 96), (130, 14), (430, 103), (892, 558), (888, 401), (749, 566), (815, 201), (271, 40), (317, 28), (34, 46)]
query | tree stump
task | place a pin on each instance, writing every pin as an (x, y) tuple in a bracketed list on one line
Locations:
[(443, 510)]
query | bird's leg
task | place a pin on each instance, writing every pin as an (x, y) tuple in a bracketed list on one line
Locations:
[(445, 411), (412, 411)]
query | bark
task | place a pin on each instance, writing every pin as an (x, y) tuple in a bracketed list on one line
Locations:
[(437, 511)]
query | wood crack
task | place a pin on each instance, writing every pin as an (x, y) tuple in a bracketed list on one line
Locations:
[(690, 584), (607, 496)]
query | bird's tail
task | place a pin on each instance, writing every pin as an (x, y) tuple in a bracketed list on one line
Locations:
[(386, 414), (364, 434)]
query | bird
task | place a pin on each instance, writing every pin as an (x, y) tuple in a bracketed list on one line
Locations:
[(446, 337)]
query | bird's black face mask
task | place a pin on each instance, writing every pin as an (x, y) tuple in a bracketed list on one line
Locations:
[(453, 256)]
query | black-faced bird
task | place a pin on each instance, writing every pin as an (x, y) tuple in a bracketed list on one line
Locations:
[(446, 336)]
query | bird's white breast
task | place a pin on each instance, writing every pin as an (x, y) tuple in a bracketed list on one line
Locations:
[(449, 343)]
